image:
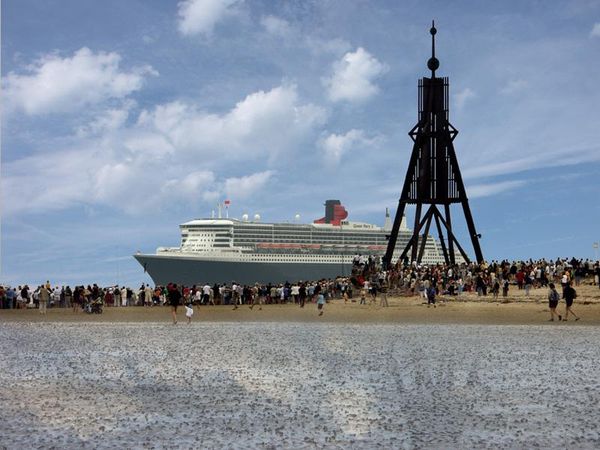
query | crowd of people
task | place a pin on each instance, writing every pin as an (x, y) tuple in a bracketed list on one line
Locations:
[(367, 282), (82, 298), (493, 278)]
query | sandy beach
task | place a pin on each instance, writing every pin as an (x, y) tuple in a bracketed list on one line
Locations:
[(516, 309)]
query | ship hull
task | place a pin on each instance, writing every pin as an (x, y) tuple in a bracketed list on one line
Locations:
[(188, 271)]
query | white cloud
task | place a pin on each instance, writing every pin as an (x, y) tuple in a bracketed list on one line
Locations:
[(107, 121), (461, 98), (536, 160), (353, 76), (263, 124), (335, 146), (54, 84), (191, 186), (276, 26), (486, 190), (246, 187), (201, 16), (148, 165), (595, 30)]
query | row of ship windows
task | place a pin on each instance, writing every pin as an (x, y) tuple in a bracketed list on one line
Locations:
[(313, 232), (312, 238), (317, 242), (293, 233), (284, 258)]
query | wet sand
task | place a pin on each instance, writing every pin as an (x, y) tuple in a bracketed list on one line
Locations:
[(298, 385)]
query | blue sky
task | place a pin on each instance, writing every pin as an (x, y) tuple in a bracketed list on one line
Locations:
[(123, 119)]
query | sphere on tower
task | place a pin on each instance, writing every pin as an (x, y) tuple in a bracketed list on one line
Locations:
[(433, 64)]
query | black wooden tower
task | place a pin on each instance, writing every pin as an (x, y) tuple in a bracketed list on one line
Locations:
[(433, 178)]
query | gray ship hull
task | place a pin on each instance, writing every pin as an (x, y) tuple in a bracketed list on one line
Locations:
[(190, 271)]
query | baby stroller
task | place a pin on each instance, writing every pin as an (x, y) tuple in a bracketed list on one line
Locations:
[(93, 306)]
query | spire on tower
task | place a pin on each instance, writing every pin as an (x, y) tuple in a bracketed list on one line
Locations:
[(433, 62)]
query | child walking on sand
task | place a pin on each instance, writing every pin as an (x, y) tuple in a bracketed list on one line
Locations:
[(189, 312), (553, 298), (320, 303), (363, 296)]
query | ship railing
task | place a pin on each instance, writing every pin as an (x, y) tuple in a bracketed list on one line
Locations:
[(167, 249)]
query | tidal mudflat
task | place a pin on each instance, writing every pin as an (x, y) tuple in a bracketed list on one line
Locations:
[(298, 385)]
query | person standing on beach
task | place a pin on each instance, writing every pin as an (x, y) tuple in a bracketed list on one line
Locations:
[(553, 298), (383, 301), (505, 285), (320, 303), (302, 294), (124, 298), (495, 289), (174, 300), (44, 298), (570, 294), (260, 293), (431, 296)]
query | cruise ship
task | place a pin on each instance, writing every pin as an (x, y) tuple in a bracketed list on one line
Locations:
[(223, 250)]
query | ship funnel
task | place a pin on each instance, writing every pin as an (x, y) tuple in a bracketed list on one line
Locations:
[(334, 213)]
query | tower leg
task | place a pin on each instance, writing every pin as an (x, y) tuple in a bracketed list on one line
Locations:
[(451, 236), (387, 258), (425, 235), (415, 238), (450, 243), (472, 231), (442, 239)]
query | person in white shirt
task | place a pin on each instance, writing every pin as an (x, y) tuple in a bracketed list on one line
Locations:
[(189, 312), (56, 297), (207, 294), (234, 295), (198, 297)]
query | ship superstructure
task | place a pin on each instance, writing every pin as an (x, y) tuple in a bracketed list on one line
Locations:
[(223, 250)]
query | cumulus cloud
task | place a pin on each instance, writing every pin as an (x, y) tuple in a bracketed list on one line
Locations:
[(190, 186), (201, 16), (353, 76), (106, 121), (595, 30), (461, 98), (247, 186), (145, 165), (263, 124), (335, 146), (54, 84)]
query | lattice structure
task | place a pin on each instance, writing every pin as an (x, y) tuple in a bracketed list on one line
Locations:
[(433, 177)]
